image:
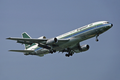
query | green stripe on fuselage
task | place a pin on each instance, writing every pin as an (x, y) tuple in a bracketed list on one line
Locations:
[(77, 31)]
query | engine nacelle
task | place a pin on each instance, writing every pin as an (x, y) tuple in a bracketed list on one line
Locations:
[(42, 37), (84, 47), (52, 41), (81, 48)]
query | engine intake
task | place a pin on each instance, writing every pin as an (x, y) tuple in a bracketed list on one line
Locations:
[(52, 41), (42, 37), (84, 47), (78, 48)]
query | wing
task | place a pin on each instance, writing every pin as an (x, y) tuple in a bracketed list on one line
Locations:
[(27, 51), (32, 40), (28, 40), (24, 51)]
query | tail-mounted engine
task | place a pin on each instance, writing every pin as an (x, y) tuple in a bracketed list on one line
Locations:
[(42, 37), (52, 41)]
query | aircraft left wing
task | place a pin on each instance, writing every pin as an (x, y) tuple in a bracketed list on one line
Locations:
[(24, 51), (33, 40), (28, 40)]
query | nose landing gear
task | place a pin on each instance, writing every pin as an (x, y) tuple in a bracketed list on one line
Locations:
[(97, 37)]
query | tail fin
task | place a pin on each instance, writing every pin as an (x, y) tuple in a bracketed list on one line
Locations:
[(25, 35)]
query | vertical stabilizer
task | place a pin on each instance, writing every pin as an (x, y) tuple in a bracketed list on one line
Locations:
[(25, 35)]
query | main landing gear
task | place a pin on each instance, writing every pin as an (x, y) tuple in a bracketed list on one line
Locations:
[(52, 51), (70, 53)]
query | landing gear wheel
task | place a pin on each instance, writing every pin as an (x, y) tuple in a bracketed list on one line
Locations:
[(51, 51), (97, 40), (54, 51), (67, 55), (70, 54), (97, 37)]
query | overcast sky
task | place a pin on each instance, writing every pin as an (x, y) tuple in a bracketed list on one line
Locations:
[(51, 18)]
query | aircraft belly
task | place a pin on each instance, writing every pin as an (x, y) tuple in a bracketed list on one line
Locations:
[(86, 35), (71, 43), (42, 51), (76, 39)]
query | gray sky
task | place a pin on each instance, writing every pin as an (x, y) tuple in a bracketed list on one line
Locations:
[(51, 18)]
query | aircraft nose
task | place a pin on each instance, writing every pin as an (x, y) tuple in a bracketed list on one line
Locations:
[(108, 26)]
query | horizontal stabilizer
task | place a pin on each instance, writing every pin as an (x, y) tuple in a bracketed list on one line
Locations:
[(24, 51)]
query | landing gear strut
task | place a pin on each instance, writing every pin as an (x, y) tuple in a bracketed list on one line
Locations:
[(97, 37)]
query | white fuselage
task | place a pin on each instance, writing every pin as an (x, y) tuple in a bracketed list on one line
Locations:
[(76, 36)]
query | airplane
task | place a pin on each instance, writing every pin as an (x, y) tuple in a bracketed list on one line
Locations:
[(68, 42)]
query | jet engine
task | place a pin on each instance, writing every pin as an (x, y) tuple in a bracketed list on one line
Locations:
[(82, 48), (42, 37), (52, 41)]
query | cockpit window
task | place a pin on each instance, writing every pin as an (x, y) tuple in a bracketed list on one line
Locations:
[(105, 22)]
